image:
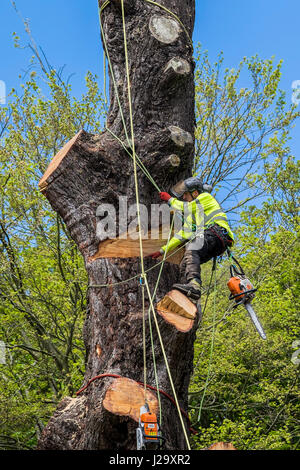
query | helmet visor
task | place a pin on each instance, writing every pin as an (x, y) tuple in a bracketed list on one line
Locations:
[(179, 189)]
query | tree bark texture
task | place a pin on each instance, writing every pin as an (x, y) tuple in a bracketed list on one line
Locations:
[(95, 169)]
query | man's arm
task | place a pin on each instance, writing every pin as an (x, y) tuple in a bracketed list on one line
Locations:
[(181, 206), (186, 233), (182, 236)]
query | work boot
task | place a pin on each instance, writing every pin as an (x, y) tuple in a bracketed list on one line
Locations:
[(191, 290)]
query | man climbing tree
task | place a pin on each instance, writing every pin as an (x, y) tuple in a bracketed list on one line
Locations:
[(203, 212)]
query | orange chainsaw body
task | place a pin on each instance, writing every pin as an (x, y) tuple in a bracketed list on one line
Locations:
[(237, 286), (150, 426)]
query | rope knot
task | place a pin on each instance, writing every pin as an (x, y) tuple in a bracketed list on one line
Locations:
[(143, 278)]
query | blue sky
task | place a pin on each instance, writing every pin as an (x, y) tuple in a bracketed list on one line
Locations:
[(68, 32)]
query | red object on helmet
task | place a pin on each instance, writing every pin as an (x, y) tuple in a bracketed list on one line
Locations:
[(164, 196)]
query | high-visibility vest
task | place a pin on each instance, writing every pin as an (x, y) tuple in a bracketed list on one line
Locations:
[(204, 205)]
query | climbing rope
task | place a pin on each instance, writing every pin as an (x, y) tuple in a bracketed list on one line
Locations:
[(150, 325), (144, 336), (136, 184), (143, 274), (129, 143)]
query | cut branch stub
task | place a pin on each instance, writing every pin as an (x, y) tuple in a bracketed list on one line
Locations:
[(57, 164), (168, 163), (174, 75), (164, 29), (125, 397), (178, 310), (180, 136), (179, 66)]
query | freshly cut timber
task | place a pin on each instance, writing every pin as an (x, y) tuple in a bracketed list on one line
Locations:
[(127, 246), (125, 397), (58, 164), (176, 302), (178, 310)]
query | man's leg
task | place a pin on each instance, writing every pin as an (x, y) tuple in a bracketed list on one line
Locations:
[(190, 275), (192, 265)]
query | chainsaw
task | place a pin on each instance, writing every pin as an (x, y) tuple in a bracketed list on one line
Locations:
[(243, 292), (148, 433)]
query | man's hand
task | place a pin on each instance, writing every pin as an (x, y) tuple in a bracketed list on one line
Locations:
[(154, 255), (164, 196)]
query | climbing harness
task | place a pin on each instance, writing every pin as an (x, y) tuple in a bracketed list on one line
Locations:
[(148, 433), (243, 292)]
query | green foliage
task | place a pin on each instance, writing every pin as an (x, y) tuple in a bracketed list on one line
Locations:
[(239, 130), (246, 391), (252, 397), (42, 275)]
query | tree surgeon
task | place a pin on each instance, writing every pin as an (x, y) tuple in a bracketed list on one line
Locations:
[(202, 211)]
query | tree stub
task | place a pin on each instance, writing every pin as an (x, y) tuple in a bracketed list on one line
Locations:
[(164, 29), (179, 66), (125, 397), (178, 310), (180, 136)]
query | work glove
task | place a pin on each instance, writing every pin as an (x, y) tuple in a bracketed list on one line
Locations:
[(164, 196)]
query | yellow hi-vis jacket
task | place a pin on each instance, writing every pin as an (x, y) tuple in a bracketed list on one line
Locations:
[(205, 204)]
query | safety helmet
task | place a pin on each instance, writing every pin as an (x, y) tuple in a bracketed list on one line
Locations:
[(190, 185)]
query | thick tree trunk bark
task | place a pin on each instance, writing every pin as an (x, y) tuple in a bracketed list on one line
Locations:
[(95, 169)]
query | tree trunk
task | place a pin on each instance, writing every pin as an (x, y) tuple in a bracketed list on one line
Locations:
[(95, 169)]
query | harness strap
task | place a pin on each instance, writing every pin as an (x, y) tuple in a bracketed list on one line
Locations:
[(229, 241)]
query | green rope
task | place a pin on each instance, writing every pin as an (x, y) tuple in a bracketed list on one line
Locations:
[(106, 54), (150, 326), (144, 340), (175, 16), (144, 276), (111, 68), (139, 161), (167, 366)]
